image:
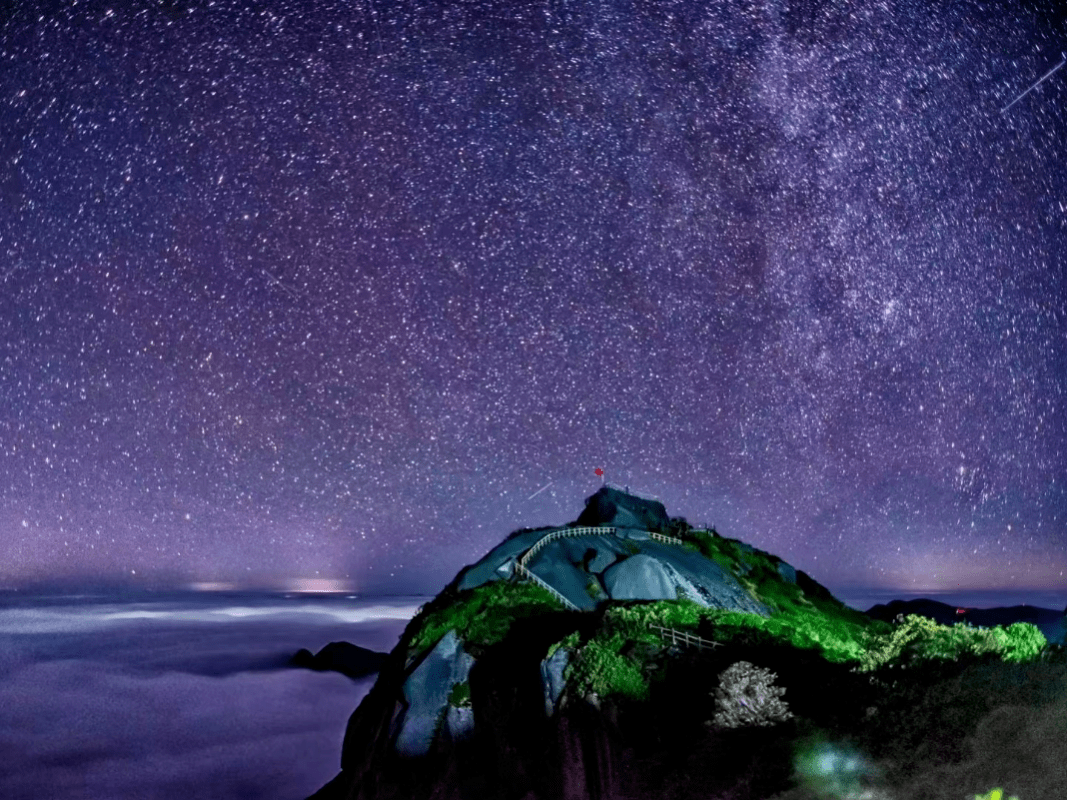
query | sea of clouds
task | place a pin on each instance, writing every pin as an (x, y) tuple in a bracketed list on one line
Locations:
[(185, 697)]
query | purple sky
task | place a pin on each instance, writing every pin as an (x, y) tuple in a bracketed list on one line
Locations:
[(311, 290)]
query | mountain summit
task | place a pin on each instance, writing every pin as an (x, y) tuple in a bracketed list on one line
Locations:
[(611, 506), (625, 654), (623, 548)]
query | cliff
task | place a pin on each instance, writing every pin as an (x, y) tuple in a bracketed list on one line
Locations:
[(611, 659)]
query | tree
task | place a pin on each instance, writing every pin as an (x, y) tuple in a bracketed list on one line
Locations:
[(746, 697)]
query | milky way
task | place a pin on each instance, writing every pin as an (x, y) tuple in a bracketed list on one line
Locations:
[(330, 290)]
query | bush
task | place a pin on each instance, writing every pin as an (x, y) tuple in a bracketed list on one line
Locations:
[(996, 794), (481, 616), (1025, 642), (570, 642), (601, 668), (460, 696), (917, 638), (746, 697)]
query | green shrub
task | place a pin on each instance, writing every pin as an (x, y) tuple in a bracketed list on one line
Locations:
[(996, 794), (570, 642), (460, 695), (636, 619), (886, 647), (918, 638), (483, 616), (1025, 642), (837, 640), (608, 664), (601, 668), (604, 667)]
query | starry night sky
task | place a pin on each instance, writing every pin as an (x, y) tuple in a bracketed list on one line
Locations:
[(328, 290)]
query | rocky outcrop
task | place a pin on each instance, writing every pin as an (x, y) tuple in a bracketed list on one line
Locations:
[(641, 576), (499, 563), (561, 703), (601, 560), (342, 657), (426, 695), (787, 572), (609, 506), (553, 678), (529, 737)]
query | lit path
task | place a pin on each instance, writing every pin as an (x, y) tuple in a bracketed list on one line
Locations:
[(579, 531)]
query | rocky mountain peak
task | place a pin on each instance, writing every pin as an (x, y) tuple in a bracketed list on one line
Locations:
[(611, 506)]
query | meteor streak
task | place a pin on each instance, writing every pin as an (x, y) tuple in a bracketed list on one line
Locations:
[(1032, 88), (546, 486)]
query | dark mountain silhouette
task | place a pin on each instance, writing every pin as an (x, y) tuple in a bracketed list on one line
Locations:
[(1053, 624), (343, 657)]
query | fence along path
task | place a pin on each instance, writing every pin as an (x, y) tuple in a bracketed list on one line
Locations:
[(665, 538), (560, 533), (527, 573), (684, 637), (578, 531)]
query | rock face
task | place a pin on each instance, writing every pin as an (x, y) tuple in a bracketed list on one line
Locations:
[(609, 554), (787, 572), (426, 694), (553, 678), (613, 507), (641, 576)]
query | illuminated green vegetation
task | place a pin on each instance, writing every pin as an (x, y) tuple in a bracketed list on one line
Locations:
[(609, 663), (460, 696), (482, 616), (601, 667), (916, 638), (996, 794), (806, 619), (615, 659)]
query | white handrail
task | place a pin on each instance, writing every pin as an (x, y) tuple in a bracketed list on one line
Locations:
[(664, 538), (552, 590), (577, 531), (685, 637)]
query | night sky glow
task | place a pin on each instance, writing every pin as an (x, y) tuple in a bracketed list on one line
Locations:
[(326, 291)]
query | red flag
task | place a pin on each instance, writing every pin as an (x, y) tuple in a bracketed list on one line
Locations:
[(599, 472)]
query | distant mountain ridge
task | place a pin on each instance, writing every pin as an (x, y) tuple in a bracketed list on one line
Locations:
[(1053, 624)]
